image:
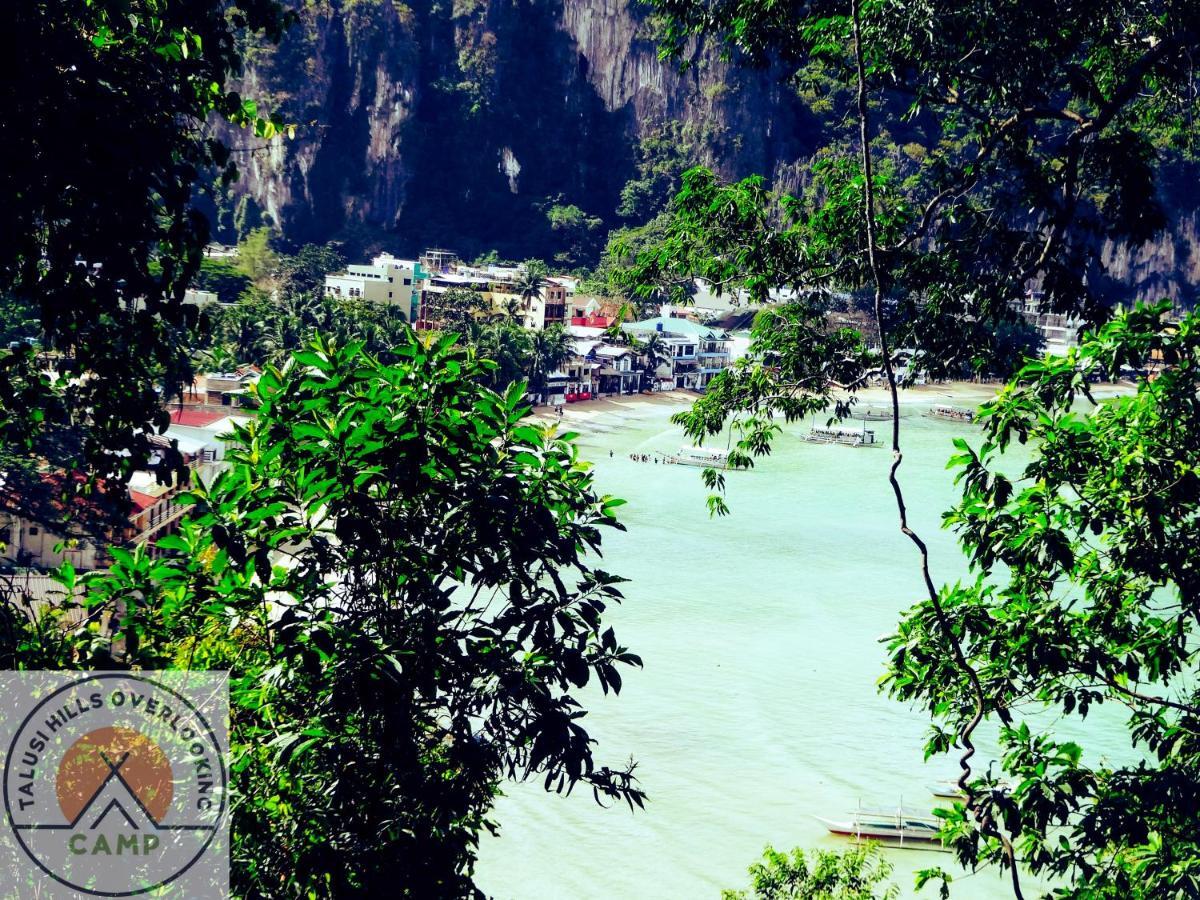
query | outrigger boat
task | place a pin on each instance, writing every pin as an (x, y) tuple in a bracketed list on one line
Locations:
[(896, 826), (953, 413), (704, 457), (869, 414), (947, 790), (835, 434)]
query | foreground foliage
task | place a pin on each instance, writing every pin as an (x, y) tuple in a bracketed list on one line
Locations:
[(99, 238), (400, 576), (859, 873), (1085, 595)]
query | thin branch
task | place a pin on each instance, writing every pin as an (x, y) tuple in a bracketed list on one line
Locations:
[(986, 824)]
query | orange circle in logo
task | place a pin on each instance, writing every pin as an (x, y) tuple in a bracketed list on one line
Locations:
[(110, 753)]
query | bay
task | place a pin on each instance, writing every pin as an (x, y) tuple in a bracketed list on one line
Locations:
[(757, 709)]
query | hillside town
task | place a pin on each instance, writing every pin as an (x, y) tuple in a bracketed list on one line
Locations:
[(608, 354)]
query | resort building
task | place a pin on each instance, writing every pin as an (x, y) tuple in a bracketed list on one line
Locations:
[(387, 280), (1058, 331), (692, 353), (618, 372)]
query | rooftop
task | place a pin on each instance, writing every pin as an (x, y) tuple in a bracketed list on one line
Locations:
[(681, 327)]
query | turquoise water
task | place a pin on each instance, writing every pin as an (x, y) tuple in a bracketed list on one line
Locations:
[(757, 708)]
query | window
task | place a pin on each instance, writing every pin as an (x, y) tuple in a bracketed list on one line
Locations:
[(389, 295), (34, 531), (406, 280)]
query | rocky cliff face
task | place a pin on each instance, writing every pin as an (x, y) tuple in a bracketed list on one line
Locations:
[(463, 122)]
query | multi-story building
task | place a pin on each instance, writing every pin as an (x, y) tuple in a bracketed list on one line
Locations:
[(692, 353), (1058, 331), (388, 280), (500, 288)]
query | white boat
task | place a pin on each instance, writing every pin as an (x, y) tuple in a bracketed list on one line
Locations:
[(953, 413), (839, 434), (947, 790), (705, 457), (871, 414), (897, 825)]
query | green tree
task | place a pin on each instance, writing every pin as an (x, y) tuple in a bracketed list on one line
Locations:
[(1046, 136), (458, 310), (652, 353), (530, 286), (405, 596), (305, 271), (1083, 551), (576, 232), (223, 278), (549, 348), (99, 234), (508, 347), (255, 257), (857, 874)]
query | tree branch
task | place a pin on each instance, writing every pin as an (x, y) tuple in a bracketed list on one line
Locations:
[(987, 826)]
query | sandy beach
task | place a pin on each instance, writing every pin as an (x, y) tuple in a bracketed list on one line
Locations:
[(589, 416)]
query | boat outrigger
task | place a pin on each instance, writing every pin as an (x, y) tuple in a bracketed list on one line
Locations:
[(896, 826), (836, 434), (704, 457), (953, 413)]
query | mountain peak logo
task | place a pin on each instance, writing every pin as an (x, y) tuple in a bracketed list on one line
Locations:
[(115, 785)]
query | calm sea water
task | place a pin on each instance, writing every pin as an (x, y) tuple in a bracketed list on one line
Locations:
[(757, 708)]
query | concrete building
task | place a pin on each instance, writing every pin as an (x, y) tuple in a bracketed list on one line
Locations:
[(1059, 332), (694, 352), (499, 286), (387, 280)]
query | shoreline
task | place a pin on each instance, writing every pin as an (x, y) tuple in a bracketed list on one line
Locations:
[(966, 393)]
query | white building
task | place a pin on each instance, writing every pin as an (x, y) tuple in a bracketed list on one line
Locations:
[(1059, 332), (388, 280), (694, 353)]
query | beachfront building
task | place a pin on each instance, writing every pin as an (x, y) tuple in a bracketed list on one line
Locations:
[(618, 371), (88, 527), (500, 288), (1058, 331), (693, 353), (387, 280)]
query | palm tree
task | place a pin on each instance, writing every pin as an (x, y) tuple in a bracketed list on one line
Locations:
[(653, 352), (511, 311), (508, 345), (549, 349), (217, 358), (530, 285)]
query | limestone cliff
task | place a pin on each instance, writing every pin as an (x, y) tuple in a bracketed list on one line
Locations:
[(426, 123), (463, 122)]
